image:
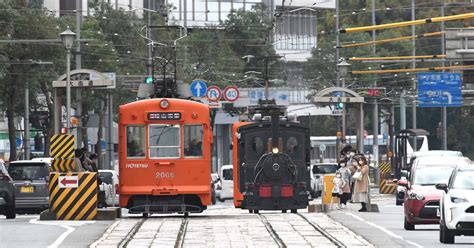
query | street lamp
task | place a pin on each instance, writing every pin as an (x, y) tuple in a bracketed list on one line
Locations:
[(68, 38), (343, 71)]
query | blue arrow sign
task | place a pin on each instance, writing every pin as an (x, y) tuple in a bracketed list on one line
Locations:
[(439, 89), (198, 88)]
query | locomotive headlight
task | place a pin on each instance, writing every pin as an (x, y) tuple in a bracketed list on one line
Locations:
[(275, 150), (164, 104)]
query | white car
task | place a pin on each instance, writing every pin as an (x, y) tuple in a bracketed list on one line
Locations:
[(227, 182), (110, 184), (457, 205)]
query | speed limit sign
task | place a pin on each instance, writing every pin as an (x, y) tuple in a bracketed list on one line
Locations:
[(231, 93)]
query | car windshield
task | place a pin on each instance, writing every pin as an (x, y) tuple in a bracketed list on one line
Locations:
[(464, 180), (431, 175), (106, 177), (227, 174), (327, 169), (28, 171)]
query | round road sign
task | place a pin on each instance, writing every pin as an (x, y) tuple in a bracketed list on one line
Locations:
[(231, 93), (322, 147), (213, 93)]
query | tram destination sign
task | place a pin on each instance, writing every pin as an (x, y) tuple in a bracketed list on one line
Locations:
[(164, 116)]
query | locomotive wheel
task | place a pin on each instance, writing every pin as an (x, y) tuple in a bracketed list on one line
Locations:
[(145, 215), (250, 211), (294, 211), (255, 211), (186, 214), (284, 211)]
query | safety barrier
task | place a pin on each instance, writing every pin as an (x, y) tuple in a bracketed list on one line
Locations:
[(62, 150), (327, 188), (73, 196), (386, 185)]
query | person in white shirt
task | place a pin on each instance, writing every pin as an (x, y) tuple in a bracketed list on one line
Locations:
[(338, 184)]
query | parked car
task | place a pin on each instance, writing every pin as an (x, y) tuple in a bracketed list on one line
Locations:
[(7, 193), (457, 205), (227, 181), (421, 202), (319, 170), (215, 187), (400, 195), (110, 185), (31, 180)]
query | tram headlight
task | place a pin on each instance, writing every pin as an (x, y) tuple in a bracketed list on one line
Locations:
[(275, 150), (164, 104)]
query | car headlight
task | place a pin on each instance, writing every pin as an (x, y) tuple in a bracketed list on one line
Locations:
[(458, 199), (414, 195)]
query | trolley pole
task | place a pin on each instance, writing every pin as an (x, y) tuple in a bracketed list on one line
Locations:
[(338, 81)]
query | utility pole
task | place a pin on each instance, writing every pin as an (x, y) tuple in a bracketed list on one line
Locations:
[(413, 110), (338, 80), (443, 112), (375, 115), (78, 66), (27, 122)]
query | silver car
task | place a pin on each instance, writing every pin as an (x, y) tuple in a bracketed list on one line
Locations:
[(31, 180), (7, 193), (317, 175)]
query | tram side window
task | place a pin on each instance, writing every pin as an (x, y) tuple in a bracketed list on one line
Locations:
[(164, 141), (193, 140), (135, 141)]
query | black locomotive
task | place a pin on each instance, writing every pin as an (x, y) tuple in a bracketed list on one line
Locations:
[(273, 161)]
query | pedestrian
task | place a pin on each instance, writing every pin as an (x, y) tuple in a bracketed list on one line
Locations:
[(346, 189), (86, 162), (93, 157), (338, 184), (361, 184), (78, 154)]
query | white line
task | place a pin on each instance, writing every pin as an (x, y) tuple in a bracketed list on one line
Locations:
[(385, 230), (64, 235)]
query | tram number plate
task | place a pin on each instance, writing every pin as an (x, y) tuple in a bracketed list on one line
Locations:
[(161, 174), (164, 116)]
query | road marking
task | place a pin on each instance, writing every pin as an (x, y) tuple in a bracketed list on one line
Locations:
[(385, 230), (68, 227)]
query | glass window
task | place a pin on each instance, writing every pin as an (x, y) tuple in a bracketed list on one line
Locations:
[(464, 180), (228, 174), (257, 145), (193, 140), (164, 141), (292, 145), (28, 171), (431, 175), (135, 141)]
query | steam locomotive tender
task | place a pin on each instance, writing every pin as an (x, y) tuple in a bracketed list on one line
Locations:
[(273, 161)]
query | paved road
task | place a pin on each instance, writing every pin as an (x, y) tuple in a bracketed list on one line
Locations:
[(385, 229), (28, 231)]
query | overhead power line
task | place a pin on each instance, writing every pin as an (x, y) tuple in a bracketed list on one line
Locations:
[(458, 67), (407, 23), (398, 57), (392, 40)]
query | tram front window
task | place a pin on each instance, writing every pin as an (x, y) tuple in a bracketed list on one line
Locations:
[(164, 141), (135, 141), (193, 140)]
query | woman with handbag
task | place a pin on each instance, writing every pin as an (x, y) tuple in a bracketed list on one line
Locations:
[(361, 178)]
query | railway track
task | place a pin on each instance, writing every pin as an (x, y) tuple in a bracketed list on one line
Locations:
[(131, 233), (323, 232), (272, 231), (182, 233)]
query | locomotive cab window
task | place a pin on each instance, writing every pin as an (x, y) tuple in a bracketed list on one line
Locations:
[(193, 140), (164, 141), (135, 141), (292, 145)]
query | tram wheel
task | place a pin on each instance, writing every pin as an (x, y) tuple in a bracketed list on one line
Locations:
[(284, 211), (255, 211), (294, 211), (145, 215), (250, 211), (186, 214)]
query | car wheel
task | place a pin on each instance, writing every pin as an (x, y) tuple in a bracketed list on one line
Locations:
[(399, 202), (221, 199), (445, 235), (408, 226), (10, 213)]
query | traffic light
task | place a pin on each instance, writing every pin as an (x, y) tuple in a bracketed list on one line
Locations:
[(339, 104), (149, 80)]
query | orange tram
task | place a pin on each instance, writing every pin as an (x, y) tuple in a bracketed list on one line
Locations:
[(165, 156)]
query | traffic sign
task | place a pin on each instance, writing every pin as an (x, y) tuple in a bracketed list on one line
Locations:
[(68, 181), (439, 89), (322, 147), (213, 94), (198, 88), (231, 93)]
